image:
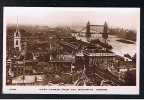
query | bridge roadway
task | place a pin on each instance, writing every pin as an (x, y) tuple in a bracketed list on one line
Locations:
[(105, 74)]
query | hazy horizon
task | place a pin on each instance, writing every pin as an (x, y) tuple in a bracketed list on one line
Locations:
[(128, 18)]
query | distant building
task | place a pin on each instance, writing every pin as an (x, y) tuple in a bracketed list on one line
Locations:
[(17, 67)]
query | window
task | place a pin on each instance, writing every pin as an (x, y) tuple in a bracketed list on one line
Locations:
[(16, 42), (17, 34)]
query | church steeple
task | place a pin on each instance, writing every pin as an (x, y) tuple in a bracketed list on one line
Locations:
[(17, 38)]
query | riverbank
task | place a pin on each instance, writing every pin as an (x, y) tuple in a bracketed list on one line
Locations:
[(125, 41)]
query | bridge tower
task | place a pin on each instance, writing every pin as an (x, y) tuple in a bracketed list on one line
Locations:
[(88, 34)]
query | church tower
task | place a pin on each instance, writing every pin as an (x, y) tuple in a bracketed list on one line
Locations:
[(17, 38)]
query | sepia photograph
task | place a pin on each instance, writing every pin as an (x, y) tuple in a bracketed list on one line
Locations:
[(71, 50)]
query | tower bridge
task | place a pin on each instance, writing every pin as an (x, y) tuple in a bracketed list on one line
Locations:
[(91, 29)]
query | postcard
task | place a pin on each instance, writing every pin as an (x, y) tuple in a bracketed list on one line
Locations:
[(71, 50)]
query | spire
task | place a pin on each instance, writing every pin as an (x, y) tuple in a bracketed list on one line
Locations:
[(88, 28), (105, 27), (17, 37), (88, 35), (17, 33), (88, 23), (105, 33), (17, 26)]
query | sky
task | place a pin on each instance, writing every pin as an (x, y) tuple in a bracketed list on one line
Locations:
[(128, 18)]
